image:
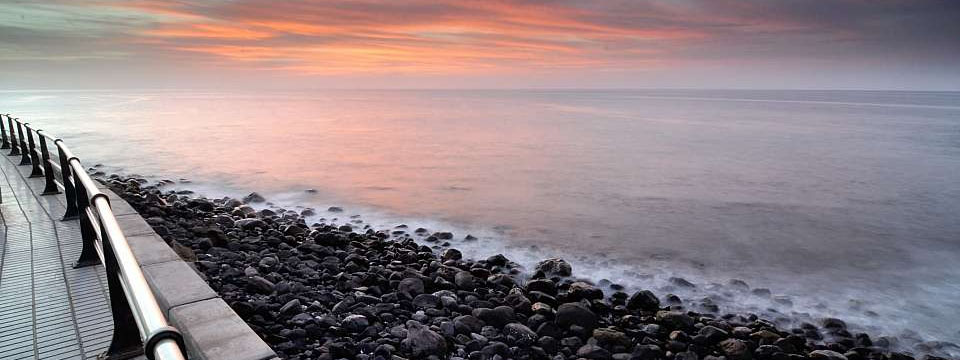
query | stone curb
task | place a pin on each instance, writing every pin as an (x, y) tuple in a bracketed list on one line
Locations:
[(211, 329)]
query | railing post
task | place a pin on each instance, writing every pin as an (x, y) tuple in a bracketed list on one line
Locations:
[(51, 186), (24, 153), (14, 147), (126, 342), (34, 156), (4, 143), (88, 255), (68, 184)]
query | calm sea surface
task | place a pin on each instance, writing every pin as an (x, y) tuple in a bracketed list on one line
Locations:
[(843, 203)]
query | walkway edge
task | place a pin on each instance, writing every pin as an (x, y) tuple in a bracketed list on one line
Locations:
[(211, 329)]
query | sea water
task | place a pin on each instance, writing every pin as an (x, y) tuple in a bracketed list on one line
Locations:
[(842, 203)]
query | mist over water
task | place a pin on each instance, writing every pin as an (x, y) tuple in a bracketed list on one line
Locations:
[(843, 203)]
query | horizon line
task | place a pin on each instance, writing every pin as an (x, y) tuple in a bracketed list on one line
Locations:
[(9, 90)]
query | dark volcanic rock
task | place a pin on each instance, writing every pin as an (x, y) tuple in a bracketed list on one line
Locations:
[(411, 287), (355, 323), (520, 334), (735, 349), (554, 267), (827, 355), (675, 319), (341, 289), (576, 314), (253, 198), (422, 342), (643, 300), (466, 324), (260, 285), (590, 351), (465, 280), (249, 224), (498, 316)]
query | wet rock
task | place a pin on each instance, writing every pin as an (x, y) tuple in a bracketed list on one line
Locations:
[(646, 352), (713, 334), (292, 307), (355, 323), (675, 319), (767, 351), (735, 349), (498, 316), (827, 355), (249, 224), (542, 285), (520, 334), (426, 301), (576, 314), (466, 324), (322, 291), (260, 285), (582, 291), (497, 260), (465, 280), (681, 282), (253, 198), (451, 254), (554, 267), (422, 342), (833, 324), (184, 252), (608, 336), (594, 352), (643, 300), (411, 287)]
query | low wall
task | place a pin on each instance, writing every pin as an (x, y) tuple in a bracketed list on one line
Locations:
[(211, 329)]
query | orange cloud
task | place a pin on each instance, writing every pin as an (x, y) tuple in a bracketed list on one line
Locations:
[(210, 31), (419, 36)]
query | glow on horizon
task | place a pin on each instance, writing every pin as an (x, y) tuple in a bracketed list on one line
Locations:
[(518, 43)]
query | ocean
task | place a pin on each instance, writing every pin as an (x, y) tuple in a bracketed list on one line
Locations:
[(841, 203)]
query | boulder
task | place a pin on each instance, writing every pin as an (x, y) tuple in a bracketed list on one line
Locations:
[(355, 323), (466, 324), (464, 280), (735, 349), (253, 198), (422, 342), (827, 355), (410, 287), (498, 316), (576, 314), (593, 352), (554, 267), (643, 300), (520, 334), (675, 319)]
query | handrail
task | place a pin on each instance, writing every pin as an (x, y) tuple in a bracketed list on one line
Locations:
[(140, 328)]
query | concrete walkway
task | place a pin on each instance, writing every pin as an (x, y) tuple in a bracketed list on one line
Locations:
[(48, 309)]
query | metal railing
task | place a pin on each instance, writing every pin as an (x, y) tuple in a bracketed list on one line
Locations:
[(139, 326)]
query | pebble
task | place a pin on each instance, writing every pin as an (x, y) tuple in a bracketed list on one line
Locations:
[(324, 291)]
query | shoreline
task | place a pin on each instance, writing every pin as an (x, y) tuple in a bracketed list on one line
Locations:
[(322, 291)]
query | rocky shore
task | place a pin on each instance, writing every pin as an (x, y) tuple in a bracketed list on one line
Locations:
[(326, 291)]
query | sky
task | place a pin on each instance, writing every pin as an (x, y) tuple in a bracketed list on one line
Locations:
[(779, 44)]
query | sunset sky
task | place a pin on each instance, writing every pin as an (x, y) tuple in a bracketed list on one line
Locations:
[(852, 44)]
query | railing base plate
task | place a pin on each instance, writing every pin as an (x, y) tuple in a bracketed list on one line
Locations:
[(80, 264), (129, 354)]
